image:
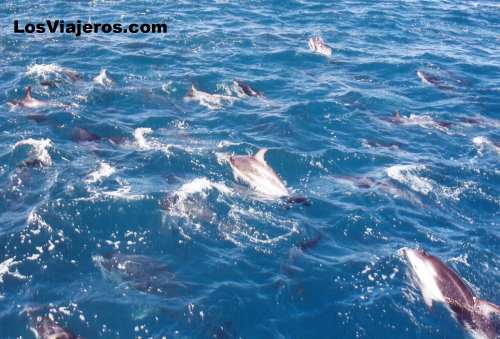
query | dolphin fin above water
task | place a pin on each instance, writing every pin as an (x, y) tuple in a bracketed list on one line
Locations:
[(437, 282), (259, 156), (28, 101)]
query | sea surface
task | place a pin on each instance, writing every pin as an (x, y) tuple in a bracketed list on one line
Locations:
[(132, 170)]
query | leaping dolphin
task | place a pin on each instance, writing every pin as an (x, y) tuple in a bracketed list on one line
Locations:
[(28, 101), (255, 171), (439, 283)]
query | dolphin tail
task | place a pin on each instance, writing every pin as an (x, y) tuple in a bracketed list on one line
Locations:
[(298, 200)]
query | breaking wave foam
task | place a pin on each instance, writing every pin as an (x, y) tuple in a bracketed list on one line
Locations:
[(43, 71), (39, 149), (147, 145), (102, 172), (483, 143), (406, 174)]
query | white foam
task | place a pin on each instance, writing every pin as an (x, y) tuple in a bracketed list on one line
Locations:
[(423, 121), (44, 70), (182, 205), (147, 145), (200, 185), (242, 228), (482, 143), (211, 101), (167, 87), (405, 174), (103, 79), (317, 45), (124, 192), (40, 149), (35, 219), (425, 275), (5, 268), (102, 172)]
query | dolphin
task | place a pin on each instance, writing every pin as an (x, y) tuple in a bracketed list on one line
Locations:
[(255, 171), (72, 75), (397, 118), (423, 121), (244, 88), (371, 143), (471, 121), (382, 186), (439, 283), (430, 79), (211, 101), (317, 45), (50, 83), (28, 101), (310, 243), (80, 134), (143, 273), (38, 118), (49, 329)]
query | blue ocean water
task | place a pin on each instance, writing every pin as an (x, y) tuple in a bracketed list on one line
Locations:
[(212, 259)]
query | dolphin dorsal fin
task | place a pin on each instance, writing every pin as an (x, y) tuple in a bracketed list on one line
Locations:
[(192, 91), (259, 156), (397, 115), (27, 93)]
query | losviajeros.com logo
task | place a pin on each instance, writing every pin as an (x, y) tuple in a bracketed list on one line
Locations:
[(77, 28)]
